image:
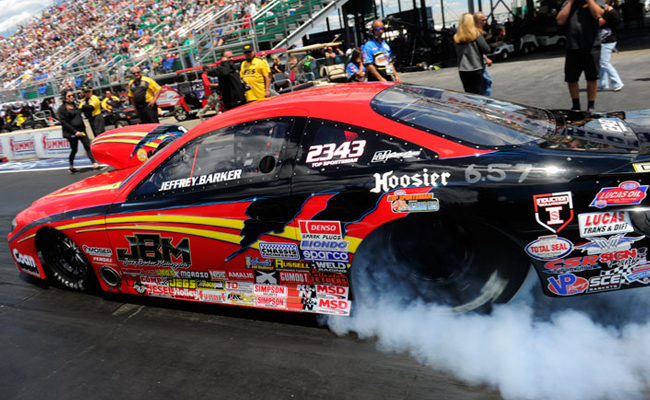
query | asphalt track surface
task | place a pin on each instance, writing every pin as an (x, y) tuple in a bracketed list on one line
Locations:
[(59, 344)]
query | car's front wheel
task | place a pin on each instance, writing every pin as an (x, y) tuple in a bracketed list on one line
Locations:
[(465, 266), (64, 260), (180, 114)]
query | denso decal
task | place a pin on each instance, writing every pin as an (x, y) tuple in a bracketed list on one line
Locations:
[(256, 263), (604, 223), (626, 193), (241, 275), (401, 202), (224, 176), (153, 250), (26, 263), (97, 251), (313, 229), (385, 155), (598, 245), (547, 248), (287, 251), (567, 285), (270, 290), (387, 181), (604, 283), (334, 307), (553, 211), (266, 277), (574, 264), (295, 277), (323, 155), (329, 256)]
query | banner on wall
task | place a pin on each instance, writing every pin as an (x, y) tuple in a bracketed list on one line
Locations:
[(45, 143)]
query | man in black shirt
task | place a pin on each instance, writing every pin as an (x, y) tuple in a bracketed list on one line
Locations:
[(582, 47), (230, 83)]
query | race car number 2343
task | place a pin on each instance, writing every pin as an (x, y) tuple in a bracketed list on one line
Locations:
[(495, 172), (327, 151)]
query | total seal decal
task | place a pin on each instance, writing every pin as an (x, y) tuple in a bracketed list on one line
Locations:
[(627, 193), (604, 223), (567, 285), (554, 211), (323, 241), (400, 202), (547, 248)]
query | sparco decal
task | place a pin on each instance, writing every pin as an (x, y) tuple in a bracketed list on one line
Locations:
[(567, 285), (626, 193), (604, 223), (153, 250), (287, 251), (27, 263), (387, 181), (553, 211), (548, 248), (598, 245)]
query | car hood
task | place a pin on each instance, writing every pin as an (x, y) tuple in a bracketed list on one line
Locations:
[(614, 132)]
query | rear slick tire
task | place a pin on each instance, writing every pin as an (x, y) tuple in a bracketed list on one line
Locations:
[(64, 260)]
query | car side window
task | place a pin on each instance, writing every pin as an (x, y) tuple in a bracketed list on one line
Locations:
[(331, 146), (246, 153)]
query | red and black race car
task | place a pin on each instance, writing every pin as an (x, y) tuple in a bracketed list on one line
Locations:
[(290, 202)]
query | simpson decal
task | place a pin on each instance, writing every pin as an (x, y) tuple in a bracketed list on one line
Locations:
[(627, 193), (553, 211), (287, 251), (605, 223), (548, 248)]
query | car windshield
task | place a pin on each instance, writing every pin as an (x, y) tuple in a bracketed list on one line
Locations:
[(478, 120)]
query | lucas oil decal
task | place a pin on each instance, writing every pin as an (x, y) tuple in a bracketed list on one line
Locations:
[(626, 193), (548, 248), (554, 211), (605, 223)]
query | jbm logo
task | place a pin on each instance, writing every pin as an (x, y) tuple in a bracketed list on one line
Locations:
[(155, 250)]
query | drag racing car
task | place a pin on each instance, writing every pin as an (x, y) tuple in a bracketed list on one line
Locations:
[(292, 202)]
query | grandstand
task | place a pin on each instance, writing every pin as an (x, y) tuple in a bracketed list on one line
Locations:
[(78, 43)]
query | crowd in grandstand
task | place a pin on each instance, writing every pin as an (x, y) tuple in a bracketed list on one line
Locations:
[(107, 30)]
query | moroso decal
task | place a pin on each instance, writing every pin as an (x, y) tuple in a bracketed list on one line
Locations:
[(553, 211), (605, 223), (548, 248), (153, 250), (567, 285), (626, 193), (387, 181)]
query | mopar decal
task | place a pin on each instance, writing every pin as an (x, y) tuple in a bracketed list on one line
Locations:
[(387, 181), (553, 211), (626, 193), (153, 250), (605, 223), (287, 251), (548, 248)]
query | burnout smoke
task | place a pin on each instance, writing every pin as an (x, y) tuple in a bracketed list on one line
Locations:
[(590, 347)]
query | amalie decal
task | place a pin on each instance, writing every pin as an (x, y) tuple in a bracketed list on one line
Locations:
[(627, 193)]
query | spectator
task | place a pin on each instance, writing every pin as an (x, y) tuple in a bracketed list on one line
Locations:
[(143, 94), (73, 129), (377, 56), (608, 23), (356, 71), (277, 67), (481, 24), (91, 107), (470, 48), (230, 83), (582, 47), (209, 92), (257, 74), (110, 101)]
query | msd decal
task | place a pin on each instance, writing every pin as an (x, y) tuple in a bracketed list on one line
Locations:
[(626, 193), (548, 248), (334, 307), (553, 211), (567, 285), (605, 223)]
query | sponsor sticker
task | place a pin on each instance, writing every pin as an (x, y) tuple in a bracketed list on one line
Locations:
[(271, 302), (627, 193), (400, 202), (604, 283), (314, 229), (217, 274), (385, 155), (26, 262), (598, 245), (323, 266), (211, 296), (324, 155), (266, 277), (241, 276), (270, 290), (604, 223), (554, 211), (295, 277), (641, 167), (567, 285), (574, 264), (334, 307), (240, 287), (297, 265), (256, 263), (548, 248), (328, 256), (287, 251), (387, 181)]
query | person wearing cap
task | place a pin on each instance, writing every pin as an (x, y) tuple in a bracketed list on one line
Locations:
[(92, 109), (143, 94), (257, 74), (376, 56)]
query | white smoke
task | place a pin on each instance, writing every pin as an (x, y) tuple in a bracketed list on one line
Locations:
[(590, 347)]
